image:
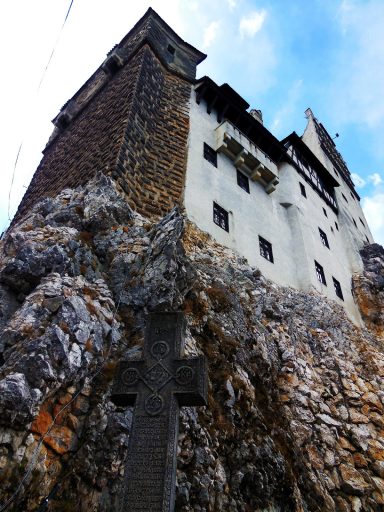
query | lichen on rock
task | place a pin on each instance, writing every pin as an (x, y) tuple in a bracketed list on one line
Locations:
[(296, 392)]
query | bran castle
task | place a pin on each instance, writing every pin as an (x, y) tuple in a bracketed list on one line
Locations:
[(167, 138)]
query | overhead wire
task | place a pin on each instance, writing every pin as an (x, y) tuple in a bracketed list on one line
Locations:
[(37, 92)]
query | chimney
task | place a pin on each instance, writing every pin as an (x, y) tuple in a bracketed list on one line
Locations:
[(257, 114)]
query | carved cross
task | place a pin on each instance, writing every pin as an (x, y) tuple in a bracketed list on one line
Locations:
[(157, 385)]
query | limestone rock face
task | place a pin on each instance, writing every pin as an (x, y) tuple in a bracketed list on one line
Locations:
[(296, 392), (369, 288)]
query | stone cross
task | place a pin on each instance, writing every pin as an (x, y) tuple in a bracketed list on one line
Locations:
[(157, 386)]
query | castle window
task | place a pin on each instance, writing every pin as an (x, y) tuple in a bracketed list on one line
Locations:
[(320, 273), (220, 217), (302, 190), (210, 154), (361, 221), (346, 200), (171, 49), (353, 197), (337, 287), (325, 212), (332, 229), (336, 226), (242, 181), (367, 238), (266, 249), (354, 222), (323, 238)]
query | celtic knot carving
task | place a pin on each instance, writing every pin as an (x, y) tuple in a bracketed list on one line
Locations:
[(154, 404), (130, 376), (160, 349), (184, 375), (157, 375)]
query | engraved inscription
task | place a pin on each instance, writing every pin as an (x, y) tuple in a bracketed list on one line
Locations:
[(158, 385)]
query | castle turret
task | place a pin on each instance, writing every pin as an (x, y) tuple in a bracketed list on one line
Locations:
[(130, 120)]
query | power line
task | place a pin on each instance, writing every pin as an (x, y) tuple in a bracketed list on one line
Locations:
[(37, 91)]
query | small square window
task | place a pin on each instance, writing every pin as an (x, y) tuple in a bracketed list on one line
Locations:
[(325, 212), (302, 190), (353, 197), (354, 222), (323, 238), (337, 287), (242, 181), (332, 229), (336, 226), (220, 217), (320, 273), (266, 249), (171, 49), (346, 200), (367, 238), (210, 154), (361, 221)]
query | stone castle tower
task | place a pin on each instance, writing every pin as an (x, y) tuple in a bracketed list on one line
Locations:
[(161, 192), (166, 139), (130, 121)]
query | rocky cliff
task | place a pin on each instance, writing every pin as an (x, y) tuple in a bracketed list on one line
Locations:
[(296, 392)]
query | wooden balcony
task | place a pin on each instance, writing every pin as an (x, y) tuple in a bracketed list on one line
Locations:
[(246, 156)]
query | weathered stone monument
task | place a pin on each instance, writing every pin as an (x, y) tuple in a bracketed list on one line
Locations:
[(157, 386)]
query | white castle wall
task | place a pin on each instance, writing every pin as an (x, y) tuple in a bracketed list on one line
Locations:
[(288, 220)]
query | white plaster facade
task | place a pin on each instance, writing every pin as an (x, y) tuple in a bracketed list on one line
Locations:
[(282, 216)]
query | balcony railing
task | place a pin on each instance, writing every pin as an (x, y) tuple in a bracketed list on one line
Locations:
[(246, 156)]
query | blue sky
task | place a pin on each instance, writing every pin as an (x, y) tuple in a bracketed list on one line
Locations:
[(282, 56)]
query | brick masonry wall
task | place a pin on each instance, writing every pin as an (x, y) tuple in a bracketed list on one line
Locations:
[(135, 129), (152, 161)]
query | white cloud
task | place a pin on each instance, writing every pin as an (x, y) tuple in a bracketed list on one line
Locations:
[(373, 207), (284, 115), (210, 33), (231, 4), (251, 24), (375, 178), (360, 79), (358, 180)]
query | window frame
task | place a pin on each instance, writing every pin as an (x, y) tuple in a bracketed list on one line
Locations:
[(320, 273), (220, 214), (337, 288), (240, 177), (266, 250), (210, 154), (324, 238)]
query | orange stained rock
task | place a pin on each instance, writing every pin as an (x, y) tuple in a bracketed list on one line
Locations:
[(315, 457), (376, 453), (42, 422), (61, 439), (359, 460)]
